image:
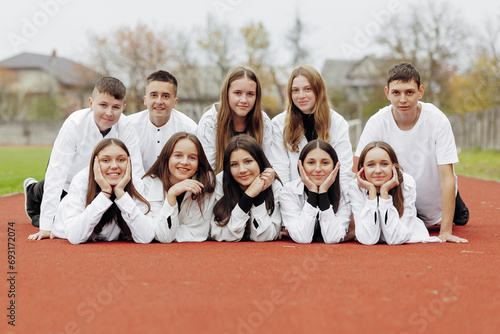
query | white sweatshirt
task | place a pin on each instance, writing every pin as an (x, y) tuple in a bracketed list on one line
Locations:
[(263, 227), (378, 220), (76, 222), (190, 224), (300, 218)]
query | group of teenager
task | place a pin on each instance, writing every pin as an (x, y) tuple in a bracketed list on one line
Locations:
[(238, 175)]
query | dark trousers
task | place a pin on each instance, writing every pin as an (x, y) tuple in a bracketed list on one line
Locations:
[(34, 195), (461, 216)]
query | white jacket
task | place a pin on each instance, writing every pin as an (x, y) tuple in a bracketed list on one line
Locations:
[(268, 226), (378, 220), (300, 218), (71, 153), (189, 225), (207, 130), (152, 139), (76, 222), (285, 162)]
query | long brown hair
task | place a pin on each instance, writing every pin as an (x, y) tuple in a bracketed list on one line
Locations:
[(231, 188), (94, 189), (204, 173), (396, 192), (254, 120), (334, 190), (294, 129)]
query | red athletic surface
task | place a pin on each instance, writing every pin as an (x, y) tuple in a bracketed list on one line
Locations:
[(247, 287)]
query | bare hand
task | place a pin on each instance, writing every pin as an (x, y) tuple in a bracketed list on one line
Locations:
[(306, 180), (268, 175), (41, 235), (451, 238), (393, 182), (256, 187), (330, 179), (119, 189), (283, 233), (99, 178), (193, 186), (362, 182)]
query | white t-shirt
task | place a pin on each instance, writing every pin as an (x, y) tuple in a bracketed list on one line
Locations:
[(152, 139), (420, 150)]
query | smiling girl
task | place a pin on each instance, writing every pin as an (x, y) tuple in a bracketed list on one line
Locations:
[(179, 187), (314, 207), (238, 111), (308, 117), (103, 203), (247, 205), (383, 200)]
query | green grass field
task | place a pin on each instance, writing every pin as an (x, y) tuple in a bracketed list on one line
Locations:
[(18, 163), (478, 163)]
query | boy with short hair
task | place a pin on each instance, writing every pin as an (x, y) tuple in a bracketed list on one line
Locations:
[(160, 120), (73, 147), (423, 139)]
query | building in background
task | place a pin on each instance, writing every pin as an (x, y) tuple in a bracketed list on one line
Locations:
[(41, 87)]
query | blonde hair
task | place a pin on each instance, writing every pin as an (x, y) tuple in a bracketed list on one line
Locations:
[(254, 120), (294, 128)]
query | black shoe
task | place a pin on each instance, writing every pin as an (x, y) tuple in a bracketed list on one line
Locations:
[(35, 220), (461, 216), (30, 207)]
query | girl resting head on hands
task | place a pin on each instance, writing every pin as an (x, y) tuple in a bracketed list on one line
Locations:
[(313, 207), (247, 194), (179, 187), (383, 199), (380, 174), (103, 203)]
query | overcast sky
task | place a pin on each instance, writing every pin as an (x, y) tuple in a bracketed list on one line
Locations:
[(41, 26)]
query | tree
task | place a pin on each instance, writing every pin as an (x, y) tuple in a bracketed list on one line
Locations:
[(214, 40), (256, 44), (431, 36), (256, 39), (295, 41), (131, 53), (479, 87), (197, 88)]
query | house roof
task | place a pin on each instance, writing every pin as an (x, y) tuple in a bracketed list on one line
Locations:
[(335, 71), (64, 70), (368, 71)]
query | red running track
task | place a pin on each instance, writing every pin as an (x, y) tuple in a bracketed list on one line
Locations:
[(274, 287)]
